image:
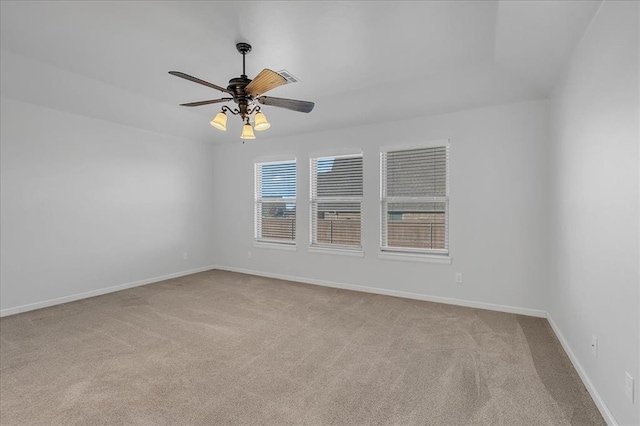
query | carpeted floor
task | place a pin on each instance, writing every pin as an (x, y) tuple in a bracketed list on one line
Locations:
[(226, 348)]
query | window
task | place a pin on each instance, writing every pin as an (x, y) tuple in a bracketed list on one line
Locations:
[(415, 199), (275, 198), (336, 201)]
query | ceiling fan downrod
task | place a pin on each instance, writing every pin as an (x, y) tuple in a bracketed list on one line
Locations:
[(243, 48)]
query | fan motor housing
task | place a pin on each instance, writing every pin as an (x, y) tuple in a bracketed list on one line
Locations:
[(237, 88)]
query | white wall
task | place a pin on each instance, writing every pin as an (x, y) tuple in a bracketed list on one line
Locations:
[(498, 207), (594, 162), (88, 205)]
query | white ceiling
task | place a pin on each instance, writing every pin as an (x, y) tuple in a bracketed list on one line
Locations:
[(358, 61)]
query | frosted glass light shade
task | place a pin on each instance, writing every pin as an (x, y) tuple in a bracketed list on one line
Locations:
[(261, 122), (220, 121), (247, 132)]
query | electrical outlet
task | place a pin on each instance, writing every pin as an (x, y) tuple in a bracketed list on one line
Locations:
[(185, 255), (249, 254), (628, 386), (458, 277), (594, 346)]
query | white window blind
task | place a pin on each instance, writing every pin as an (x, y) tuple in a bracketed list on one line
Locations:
[(275, 202), (336, 201), (415, 200)]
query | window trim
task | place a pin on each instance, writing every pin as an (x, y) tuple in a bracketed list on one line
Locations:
[(407, 253), (416, 145), (271, 244), (414, 257), (266, 242), (326, 247), (336, 251)]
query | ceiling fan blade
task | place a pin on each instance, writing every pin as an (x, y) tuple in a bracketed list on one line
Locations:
[(197, 80), (212, 101), (292, 104), (264, 82)]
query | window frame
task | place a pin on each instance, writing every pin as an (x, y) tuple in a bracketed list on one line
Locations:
[(413, 254), (315, 247), (259, 201)]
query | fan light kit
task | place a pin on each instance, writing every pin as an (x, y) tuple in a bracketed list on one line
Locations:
[(247, 94)]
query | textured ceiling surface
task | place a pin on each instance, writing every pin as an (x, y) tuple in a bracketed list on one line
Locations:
[(358, 61)]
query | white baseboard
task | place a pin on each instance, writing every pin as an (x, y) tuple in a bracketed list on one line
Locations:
[(73, 297), (604, 410), (407, 295)]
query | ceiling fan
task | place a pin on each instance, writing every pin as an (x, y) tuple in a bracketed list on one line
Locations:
[(247, 94)]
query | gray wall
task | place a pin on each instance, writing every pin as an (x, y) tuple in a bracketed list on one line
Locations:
[(498, 207), (594, 158), (88, 205)]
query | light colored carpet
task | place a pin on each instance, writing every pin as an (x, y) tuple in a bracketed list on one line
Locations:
[(226, 348)]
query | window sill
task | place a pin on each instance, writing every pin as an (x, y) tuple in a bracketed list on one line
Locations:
[(277, 246), (415, 257), (336, 251)]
